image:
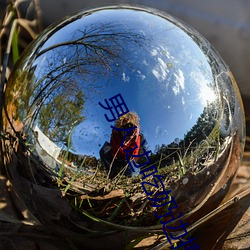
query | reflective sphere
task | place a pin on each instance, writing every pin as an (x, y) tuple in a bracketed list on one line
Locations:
[(171, 101)]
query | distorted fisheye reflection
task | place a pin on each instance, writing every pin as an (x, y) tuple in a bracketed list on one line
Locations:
[(184, 111), (112, 155)]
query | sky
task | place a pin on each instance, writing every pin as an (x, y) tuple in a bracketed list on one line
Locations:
[(161, 72)]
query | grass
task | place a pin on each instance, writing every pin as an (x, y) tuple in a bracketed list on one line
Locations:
[(114, 211)]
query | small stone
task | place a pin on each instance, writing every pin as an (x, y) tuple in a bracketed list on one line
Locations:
[(185, 181)]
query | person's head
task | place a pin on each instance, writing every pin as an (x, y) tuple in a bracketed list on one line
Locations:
[(128, 120)]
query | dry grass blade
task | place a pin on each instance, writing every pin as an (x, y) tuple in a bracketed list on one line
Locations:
[(11, 35), (28, 25)]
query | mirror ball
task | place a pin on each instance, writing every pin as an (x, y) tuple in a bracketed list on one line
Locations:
[(113, 105)]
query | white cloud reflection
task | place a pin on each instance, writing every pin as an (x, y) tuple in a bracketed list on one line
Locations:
[(183, 101), (179, 82), (142, 76), (206, 93), (125, 78), (161, 70), (154, 52)]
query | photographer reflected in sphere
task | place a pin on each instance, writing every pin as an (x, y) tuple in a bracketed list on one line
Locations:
[(113, 154)]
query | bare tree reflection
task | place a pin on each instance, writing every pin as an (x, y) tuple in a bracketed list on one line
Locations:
[(64, 69)]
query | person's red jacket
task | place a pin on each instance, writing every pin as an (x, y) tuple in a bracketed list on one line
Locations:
[(116, 140)]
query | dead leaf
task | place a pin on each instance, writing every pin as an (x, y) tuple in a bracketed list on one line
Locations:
[(111, 195)]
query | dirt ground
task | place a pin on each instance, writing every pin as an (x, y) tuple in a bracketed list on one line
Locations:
[(19, 230)]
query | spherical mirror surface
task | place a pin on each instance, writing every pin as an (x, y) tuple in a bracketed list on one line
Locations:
[(112, 106)]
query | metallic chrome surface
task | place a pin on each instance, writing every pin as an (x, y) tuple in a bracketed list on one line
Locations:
[(190, 111)]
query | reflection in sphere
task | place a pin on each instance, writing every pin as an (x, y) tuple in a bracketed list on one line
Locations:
[(68, 89)]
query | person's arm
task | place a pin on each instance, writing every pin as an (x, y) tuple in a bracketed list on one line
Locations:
[(115, 143), (138, 143)]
